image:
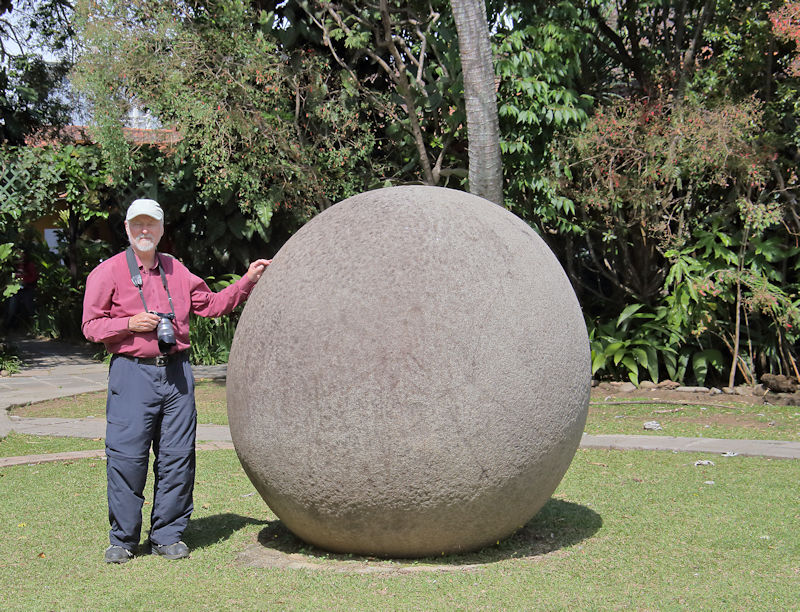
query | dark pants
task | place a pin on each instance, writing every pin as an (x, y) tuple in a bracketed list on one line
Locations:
[(20, 306), (150, 404)]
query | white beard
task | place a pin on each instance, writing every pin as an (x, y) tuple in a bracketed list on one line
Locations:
[(142, 243)]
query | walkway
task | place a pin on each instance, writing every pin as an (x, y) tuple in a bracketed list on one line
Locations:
[(53, 369)]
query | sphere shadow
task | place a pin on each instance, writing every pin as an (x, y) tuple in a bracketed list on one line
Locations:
[(559, 524)]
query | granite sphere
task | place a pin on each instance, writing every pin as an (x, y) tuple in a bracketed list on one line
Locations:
[(411, 375)]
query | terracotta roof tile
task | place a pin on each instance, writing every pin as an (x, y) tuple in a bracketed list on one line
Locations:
[(80, 134)]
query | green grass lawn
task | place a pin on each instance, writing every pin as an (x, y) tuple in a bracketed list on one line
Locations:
[(732, 421), (18, 445), (625, 530), (212, 406)]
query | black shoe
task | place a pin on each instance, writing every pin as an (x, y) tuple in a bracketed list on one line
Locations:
[(118, 554), (178, 550)]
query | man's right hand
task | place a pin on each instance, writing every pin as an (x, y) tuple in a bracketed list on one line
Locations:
[(143, 322)]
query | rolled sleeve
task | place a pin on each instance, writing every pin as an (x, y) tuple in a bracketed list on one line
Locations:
[(98, 325), (206, 303)]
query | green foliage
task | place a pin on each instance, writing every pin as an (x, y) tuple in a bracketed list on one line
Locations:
[(538, 47), (637, 343), (702, 290), (654, 150), (59, 304), (32, 88), (271, 133), (642, 173), (9, 360), (72, 185), (739, 49), (643, 345), (212, 337), (401, 60)]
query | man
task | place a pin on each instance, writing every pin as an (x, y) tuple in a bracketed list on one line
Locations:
[(20, 305), (150, 381)]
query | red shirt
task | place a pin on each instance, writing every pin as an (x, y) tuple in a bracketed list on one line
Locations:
[(27, 273), (111, 299)]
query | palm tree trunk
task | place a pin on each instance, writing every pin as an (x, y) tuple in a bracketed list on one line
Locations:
[(480, 97)]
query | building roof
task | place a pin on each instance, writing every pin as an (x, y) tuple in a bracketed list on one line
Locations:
[(81, 134)]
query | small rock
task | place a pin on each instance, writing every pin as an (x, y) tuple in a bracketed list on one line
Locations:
[(652, 426), (692, 389), (595, 382), (627, 387), (4, 373), (779, 383), (648, 384), (728, 390), (668, 384), (759, 390), (714, 391)]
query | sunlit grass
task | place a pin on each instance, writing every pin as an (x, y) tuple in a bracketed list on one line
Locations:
[(209, 398), (732, 421), (18, 445), (625, 530)]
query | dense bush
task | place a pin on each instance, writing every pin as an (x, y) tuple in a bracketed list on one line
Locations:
[(655, 151)]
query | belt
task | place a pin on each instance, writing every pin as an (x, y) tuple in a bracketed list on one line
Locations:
[(161, 360)]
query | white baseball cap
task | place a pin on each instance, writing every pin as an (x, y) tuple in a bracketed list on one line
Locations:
[(145, 207)]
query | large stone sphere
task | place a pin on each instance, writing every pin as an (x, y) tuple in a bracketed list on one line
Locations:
[(410, 377)]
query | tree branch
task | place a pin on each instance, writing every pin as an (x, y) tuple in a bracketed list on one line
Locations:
[(687, 69), (404, 88)]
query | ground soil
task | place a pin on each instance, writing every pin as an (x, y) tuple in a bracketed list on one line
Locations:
[(610, 391)]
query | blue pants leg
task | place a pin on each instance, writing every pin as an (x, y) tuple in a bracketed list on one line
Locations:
[(150, 405), (174, 463)]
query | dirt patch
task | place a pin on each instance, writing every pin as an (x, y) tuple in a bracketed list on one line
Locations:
[(614, 392), (559, 524), (258, 555)]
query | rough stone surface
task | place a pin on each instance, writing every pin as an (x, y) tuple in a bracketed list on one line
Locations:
[(410, 377)]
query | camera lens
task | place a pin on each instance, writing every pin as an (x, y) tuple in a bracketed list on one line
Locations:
[(165, 331)]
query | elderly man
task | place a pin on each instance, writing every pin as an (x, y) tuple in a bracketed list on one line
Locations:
[(150, 381)]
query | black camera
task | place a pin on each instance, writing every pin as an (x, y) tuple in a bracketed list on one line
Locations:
[(165, 331)]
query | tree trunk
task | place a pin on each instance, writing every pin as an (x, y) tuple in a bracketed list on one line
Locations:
[(72, 244), (736, 333), (480, 97)]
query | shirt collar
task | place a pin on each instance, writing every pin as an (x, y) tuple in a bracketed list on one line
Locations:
[(141, 265)]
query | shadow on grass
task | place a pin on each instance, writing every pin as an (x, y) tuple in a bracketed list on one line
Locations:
[(209, 530), (558, 524)]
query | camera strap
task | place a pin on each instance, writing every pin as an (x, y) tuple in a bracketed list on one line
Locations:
[(136, 277)]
